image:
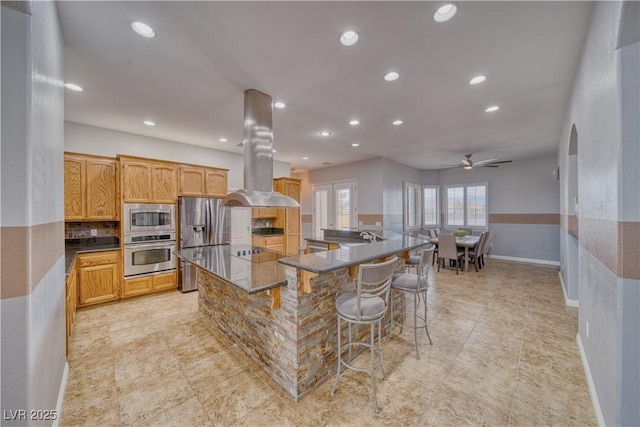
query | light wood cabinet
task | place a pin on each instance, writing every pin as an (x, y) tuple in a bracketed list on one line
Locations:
[(71, 302), (274, 243), (148, 181), (90, 188), (201, 181), (289, 219), (215, 182), (148, 284), (264, 212), (99, 275)]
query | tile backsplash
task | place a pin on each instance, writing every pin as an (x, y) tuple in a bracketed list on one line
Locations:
[(79, 230)]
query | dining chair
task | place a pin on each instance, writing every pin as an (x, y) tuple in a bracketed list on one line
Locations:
[(416, 285), (485, 248), (447, 249), (367, 306), (437, 230), (476, 254), (433, 234)]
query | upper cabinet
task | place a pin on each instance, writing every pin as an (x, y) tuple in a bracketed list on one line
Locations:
[(90, 187), (148, 181), (288, 186), (200, 181)]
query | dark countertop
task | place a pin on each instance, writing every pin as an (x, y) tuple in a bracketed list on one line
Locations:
[(267, 231), (326, 261), (252, 272), (72, 247)]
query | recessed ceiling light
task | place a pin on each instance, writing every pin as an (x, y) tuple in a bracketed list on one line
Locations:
[(397, 122), (354, 122), (273, 151), (477, 79), (325, 133), (74, 87), (149, 123), (492, 109), (349, 38), (143, 29), (305, 158), (391, 76), (280, 105), (355, 144), (445, 12), (222, 139)]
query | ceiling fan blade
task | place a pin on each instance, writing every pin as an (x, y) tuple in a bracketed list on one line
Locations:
[(480, 163), (489, 166), (503, 161)]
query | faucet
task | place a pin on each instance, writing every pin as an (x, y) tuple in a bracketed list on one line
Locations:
[(368, 236)]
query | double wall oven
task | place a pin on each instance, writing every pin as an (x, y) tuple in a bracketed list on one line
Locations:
[(149, 239)]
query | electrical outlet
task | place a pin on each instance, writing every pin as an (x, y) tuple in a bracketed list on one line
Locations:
[(491, 245), (94, 232), (378, 223), (359, 222), (587, 328)]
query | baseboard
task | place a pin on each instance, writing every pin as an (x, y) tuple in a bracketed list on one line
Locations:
[(592, 386), (567, 301), (527, 260), (63, 388)]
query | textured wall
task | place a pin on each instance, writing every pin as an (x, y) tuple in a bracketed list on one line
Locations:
[(105, 142), (33, 291), (604, 109)]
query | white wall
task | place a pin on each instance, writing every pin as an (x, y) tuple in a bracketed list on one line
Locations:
[(604, 108), (393, 178), (33, 300), (86, 139)]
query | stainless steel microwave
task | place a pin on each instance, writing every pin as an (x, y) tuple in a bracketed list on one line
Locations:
[(147, 218)]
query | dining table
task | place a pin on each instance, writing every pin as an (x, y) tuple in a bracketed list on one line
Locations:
[(466, 242)]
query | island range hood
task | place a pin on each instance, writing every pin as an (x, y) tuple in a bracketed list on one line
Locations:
[(258, 157)]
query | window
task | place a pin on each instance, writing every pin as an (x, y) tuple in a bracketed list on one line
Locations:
[(466, 206), (430, 206), (412, 207), (334, 206)]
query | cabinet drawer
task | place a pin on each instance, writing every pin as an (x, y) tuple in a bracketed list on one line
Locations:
[(165, 281), (98, 258), (139, 286)]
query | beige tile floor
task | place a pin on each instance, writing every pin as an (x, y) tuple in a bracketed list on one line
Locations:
[(504, 353)]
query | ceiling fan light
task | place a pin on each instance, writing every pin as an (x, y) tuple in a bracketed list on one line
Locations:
[(467, 167)]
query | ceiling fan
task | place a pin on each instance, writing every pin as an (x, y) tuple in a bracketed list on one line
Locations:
[(467, 163)]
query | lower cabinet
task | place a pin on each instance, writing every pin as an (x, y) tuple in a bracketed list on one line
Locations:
[(274, 243), (148, 284), (98, 278), (71, 301)]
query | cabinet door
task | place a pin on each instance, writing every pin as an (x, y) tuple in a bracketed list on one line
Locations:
[(99, 283), (136, 182), (101, 189), (278, 247), (292, 221), (164, 184), (74, 188), (293, 243), (292, 189), (216, 183), (192, 181)]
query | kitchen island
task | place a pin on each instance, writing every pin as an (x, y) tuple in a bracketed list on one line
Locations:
[(281, 310)]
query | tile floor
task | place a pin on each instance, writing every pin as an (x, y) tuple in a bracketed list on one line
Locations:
[(504, 353)]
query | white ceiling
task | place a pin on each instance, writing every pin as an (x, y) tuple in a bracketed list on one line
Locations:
[(190, 78)]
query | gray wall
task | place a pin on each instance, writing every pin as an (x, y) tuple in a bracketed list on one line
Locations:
[(526, 188), (81, 138), (32, 211), (604, 107)]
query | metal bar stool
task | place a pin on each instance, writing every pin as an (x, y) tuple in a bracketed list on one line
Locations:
[(366, 306), (416, 285)]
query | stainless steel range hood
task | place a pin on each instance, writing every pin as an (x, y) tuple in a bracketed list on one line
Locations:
[(258, 157)]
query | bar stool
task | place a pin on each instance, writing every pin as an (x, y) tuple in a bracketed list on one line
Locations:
[(366, 306), (416, 285)]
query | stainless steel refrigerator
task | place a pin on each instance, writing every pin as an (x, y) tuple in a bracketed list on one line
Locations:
[(203, 222)]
